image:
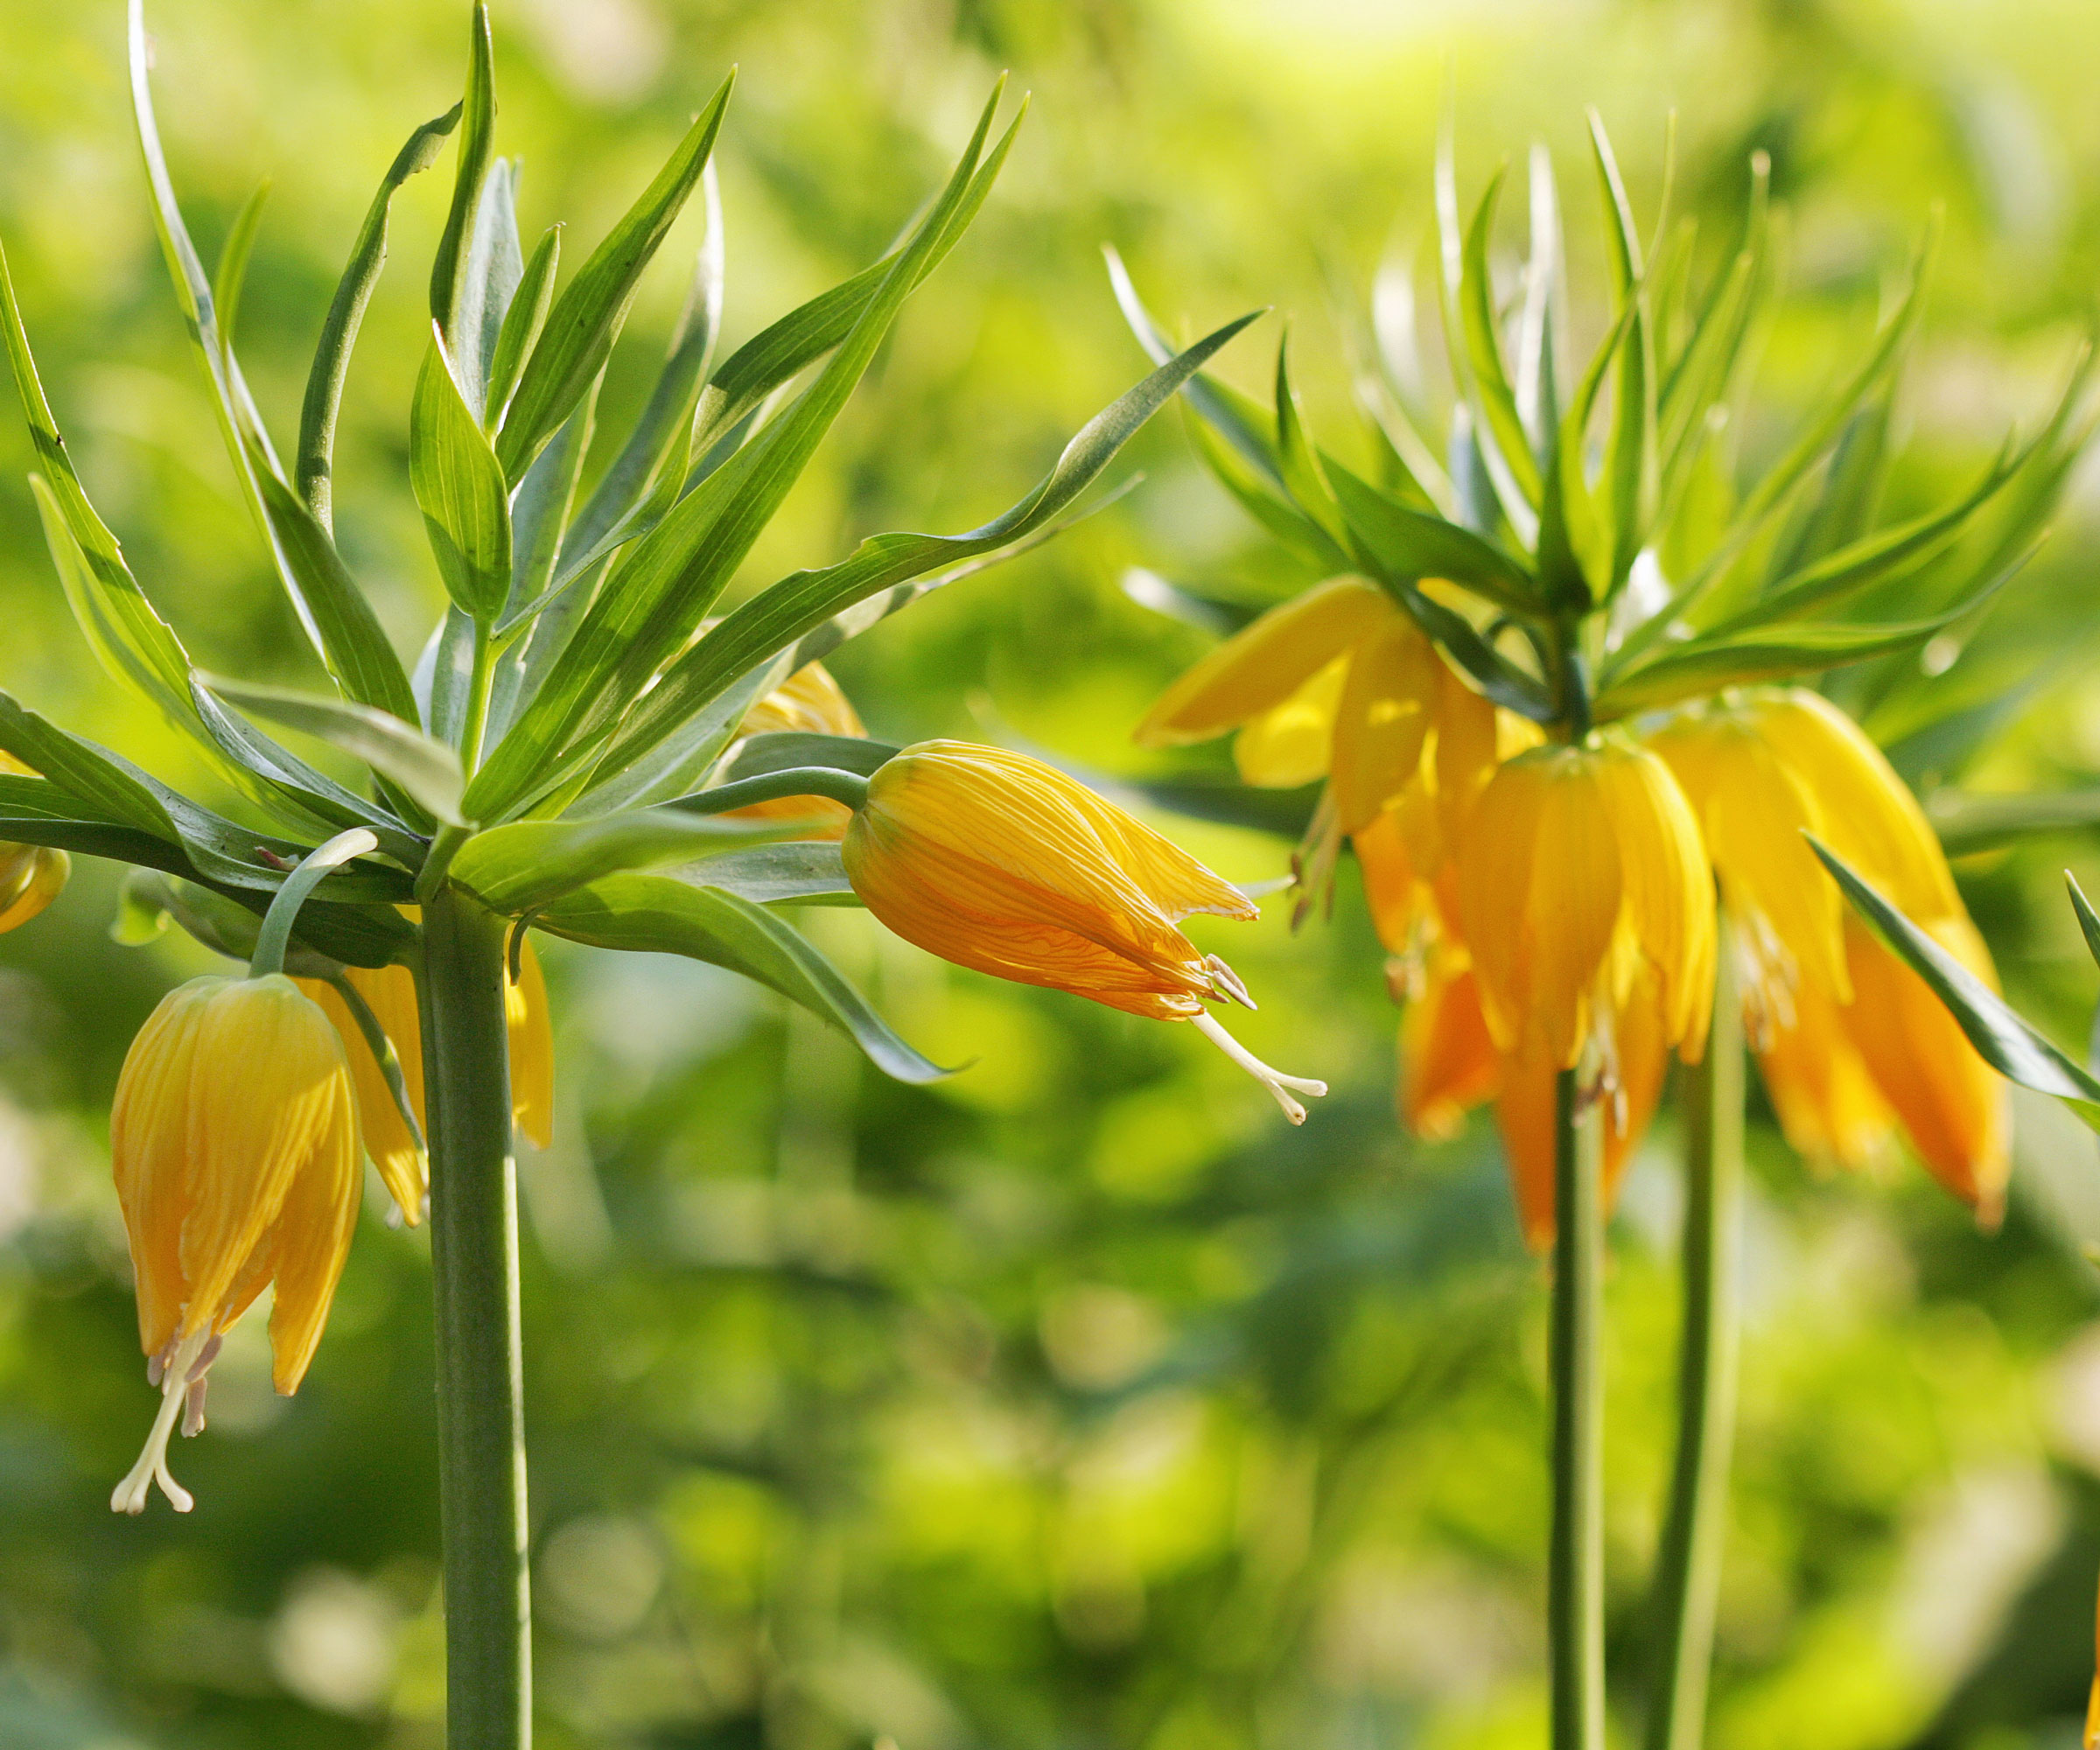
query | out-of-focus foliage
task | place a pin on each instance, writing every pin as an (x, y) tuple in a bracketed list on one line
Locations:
[(1071, 1402)]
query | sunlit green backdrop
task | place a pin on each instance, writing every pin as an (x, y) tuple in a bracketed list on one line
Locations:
[(1074, 1403)]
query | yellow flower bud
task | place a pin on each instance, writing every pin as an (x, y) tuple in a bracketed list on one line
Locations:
[(1003, 865), (234, 1140)]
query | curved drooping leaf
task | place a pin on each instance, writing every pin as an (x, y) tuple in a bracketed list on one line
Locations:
[(2005, 1041), (802, 873), (314, 469), (426, 769), (529, 863), (658, 913)]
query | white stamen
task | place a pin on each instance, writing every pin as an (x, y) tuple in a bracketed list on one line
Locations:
[(1226, 982), (181, 1375), (1274, 1079), (193, 1408)]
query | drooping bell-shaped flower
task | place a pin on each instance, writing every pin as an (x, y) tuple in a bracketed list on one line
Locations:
[(31, 876), (1002, 864), (235, 1144), (1850, 1040), (389, 993)]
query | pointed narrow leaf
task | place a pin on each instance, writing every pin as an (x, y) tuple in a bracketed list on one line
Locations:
[(1484, 353), (530, 863), (587, 317), (655, 913), (1410, 544), (2001, 1038), (488, 282), (523, 324), (461, 489), (476, 135)]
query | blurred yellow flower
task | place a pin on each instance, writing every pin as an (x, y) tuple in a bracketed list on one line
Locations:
[(30, 875), (1850, 1042), (809, 702), (389, 993), (1003, 865), (234, 1140)]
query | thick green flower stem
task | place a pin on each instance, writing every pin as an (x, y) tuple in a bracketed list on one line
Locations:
[(1688, 1567), (475, 1261), (1575, 1559)]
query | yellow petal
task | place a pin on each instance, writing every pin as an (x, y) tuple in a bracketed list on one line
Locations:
[(809, 702), (1262, 665), (1952, 1104), (31, 876), (1668, 885), (389, 993), (1292, 744), (531, 1026), (148, 1154), (312, 1238), (1827, 1103), (1383, 719), (1872, 820), (1448, 1064), (1395, 892)]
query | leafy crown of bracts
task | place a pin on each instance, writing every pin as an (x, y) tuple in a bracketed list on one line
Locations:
[(560, 749)]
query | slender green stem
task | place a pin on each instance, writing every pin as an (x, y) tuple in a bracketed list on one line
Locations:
[(849, 787), (1575, 1560), (1687, 1566), (274, 937), (475, 1261)]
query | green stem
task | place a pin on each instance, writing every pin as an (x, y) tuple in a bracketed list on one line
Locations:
[(1575, 1560), (1687, 1566), (478, 686), (474, 1262), (274, 937), (849, 787)]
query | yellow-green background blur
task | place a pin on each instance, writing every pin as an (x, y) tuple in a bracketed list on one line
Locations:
[(1075, 1402)]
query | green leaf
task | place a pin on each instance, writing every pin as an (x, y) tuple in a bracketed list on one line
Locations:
[(777, 616), (651, 604), (459, 488), (530, 864), (233, 262), (1216, 615), (580, 331), (477, 112), (1303, 477), (805, 872), (655, 913), (523, 322), (2089, 922), (362, 661), (1409, 545), (427, 770), (488, 285), (2001, 1038), (314, 474)]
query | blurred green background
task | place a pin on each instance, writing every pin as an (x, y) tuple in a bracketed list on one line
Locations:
[(1076, 1401)]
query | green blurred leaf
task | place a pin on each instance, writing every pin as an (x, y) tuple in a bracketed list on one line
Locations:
[(1409, 545), (1490, 378), (657, 914)]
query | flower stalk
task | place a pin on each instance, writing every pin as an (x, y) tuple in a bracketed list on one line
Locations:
[(475, 1264), (1688, 1567), (1575, 1557)]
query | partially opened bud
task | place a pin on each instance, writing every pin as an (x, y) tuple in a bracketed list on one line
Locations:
[(1003, 865), (234, 1139)]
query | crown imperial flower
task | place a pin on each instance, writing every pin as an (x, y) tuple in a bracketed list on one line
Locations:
[(234, 1142), (1003, 865)]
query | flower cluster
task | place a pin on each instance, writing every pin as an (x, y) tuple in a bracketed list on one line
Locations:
[(1552, 907)]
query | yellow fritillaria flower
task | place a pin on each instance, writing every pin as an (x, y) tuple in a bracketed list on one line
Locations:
[(234, 1139), (389, 993), (1580, 867), (809, 702), (1850, 1040), (1003, 865), (30, 875)]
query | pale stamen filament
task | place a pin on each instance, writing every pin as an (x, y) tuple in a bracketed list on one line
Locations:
[(1283, 1087), (178, 1370), (1226, 983)]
